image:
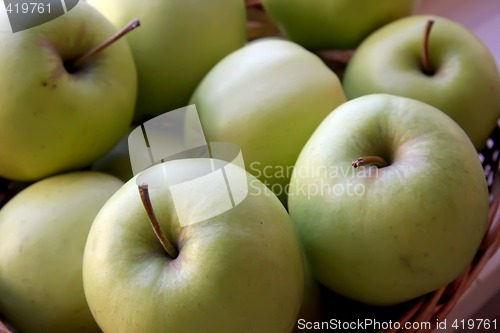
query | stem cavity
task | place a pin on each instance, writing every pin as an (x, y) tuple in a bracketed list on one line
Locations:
[(367, 160), (146, 201)]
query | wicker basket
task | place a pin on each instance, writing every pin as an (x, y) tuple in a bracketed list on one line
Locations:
[(429, 308)]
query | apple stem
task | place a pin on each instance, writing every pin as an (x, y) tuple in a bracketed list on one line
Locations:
[(146, 201), (129, 27), (362, 161), (426, 66)]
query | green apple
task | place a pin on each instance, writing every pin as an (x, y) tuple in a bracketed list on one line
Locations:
[(43, 231), (461, 77), (178, 43), (55, 117), (268, 98), (408, 219), (239, 271), (334, 24)]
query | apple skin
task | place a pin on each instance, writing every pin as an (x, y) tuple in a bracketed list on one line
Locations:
[(43, 231), (466, 83), (239, 271), (53, 121), (334, 24), (385, 236), (178, 43), (268, 98)]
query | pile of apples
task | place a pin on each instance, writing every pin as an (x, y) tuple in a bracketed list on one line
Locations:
[(369, 187)]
